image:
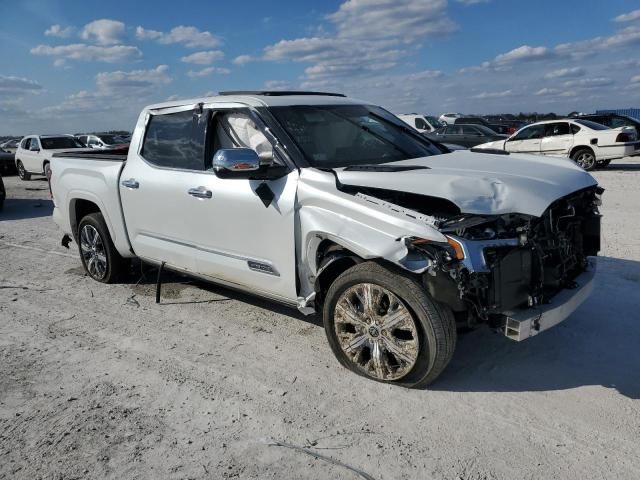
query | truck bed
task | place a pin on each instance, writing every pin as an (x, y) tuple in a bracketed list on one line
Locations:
[(89, 176)]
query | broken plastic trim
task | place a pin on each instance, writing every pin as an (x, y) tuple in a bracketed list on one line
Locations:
[(427, 219)]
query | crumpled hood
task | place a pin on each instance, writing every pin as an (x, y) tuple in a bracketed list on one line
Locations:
[(481, 183)]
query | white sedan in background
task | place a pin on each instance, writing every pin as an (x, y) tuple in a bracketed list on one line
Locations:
[(589, 144)]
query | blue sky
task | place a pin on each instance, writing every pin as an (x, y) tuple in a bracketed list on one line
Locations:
[(91, 65)]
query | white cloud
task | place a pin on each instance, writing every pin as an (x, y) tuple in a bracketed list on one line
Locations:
[(83, 52), (277, 85), (108, 82), (103, 31), (407, 20), (635, 79), (123, 93), (58, 31), (524, 53), (485, 95), (472, 2), (186, 35), (18, 86), (242, 59), (628, 17), (565, 73), (589, 82), (370, 36), (205, 72), (622, 38), (203, 58)]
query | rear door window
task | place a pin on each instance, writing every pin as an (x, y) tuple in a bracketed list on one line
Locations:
[(176, 140), (555, 129)]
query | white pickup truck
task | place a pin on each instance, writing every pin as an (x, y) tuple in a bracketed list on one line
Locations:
[(332, 205)]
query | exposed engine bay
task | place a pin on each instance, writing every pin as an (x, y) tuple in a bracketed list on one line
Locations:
[(495, 264)]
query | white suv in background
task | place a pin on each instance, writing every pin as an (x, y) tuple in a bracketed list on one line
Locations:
[(422, 123), (449, 118), (34, 153)]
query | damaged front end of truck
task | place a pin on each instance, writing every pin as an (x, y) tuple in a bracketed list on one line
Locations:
[(519, 272), (511, 270)]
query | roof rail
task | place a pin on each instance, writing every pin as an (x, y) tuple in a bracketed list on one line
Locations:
[(279, 93)]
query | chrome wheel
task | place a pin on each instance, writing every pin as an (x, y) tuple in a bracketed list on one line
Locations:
[(585, 160), (93, 252), (376, 331)]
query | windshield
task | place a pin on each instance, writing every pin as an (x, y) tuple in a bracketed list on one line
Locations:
[(52, 143), (343, 135), (592, 125), (111, 139), (486, 130), (435, 123)]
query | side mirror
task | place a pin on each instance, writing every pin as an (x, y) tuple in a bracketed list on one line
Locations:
[(235, 162)]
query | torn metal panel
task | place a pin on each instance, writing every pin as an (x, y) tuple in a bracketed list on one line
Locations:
[(367, 226)]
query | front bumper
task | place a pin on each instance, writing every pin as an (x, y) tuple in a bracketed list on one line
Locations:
[(524, 323)]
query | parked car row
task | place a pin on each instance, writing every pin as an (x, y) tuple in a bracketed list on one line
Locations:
[(592, 141)]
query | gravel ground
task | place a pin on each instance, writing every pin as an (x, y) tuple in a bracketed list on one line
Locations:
[(97, 381)]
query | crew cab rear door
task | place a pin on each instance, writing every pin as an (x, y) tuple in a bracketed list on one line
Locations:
[(557, 140), (180, 212)]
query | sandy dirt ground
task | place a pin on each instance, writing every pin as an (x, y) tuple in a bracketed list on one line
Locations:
[(97, 381)]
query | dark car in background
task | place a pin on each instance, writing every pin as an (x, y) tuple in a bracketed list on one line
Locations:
[(10, 146), (503, 128), (3, 193), (7, 155), (465, 135), (103, 141), (613, 120)]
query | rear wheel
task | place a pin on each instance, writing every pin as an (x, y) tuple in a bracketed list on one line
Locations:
[(584, 158), (22, 173), (99, 256), (383, 325)]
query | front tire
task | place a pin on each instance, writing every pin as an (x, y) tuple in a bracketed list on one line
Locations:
[(22, 173), (100, 259), (585, 158), (383, 325)]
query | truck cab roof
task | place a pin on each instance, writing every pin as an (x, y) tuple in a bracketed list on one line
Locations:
[(265, 99)]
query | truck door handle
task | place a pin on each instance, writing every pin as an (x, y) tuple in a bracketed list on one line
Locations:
[(131, 183), (200, 192)]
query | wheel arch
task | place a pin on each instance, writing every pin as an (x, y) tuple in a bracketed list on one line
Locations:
[(332, 259), (78, 209), (581, 147)]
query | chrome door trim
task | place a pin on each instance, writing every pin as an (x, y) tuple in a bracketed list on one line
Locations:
[(255, 264)]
